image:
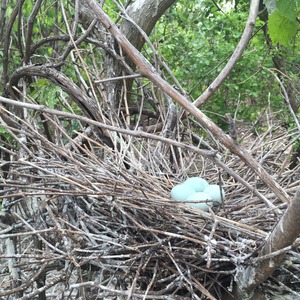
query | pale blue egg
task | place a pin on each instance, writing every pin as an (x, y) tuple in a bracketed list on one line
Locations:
[(197, 183), (200, 196), (181, 192), (215, 191)]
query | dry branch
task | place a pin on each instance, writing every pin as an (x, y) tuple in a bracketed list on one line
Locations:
[(108, 223), (149, 71), (76, 223), (281, 238), (210, 154), (136, 133)]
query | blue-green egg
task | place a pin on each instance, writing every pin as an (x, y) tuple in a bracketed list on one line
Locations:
[(216, 192), (181, 192), (197, 183), (200, 196)]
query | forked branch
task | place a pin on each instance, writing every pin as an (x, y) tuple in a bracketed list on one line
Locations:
[(151, 73)]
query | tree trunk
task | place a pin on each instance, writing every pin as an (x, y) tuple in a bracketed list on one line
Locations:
[(140, 16)]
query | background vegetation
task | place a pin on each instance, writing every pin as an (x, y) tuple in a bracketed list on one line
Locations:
[(95, 131), (197, 38)]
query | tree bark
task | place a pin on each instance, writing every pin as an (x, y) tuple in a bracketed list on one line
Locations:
[(142, 14), (145, 14), (284, 234)]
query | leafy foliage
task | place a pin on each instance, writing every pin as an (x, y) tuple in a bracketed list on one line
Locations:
[(283, 24), (197, 40)]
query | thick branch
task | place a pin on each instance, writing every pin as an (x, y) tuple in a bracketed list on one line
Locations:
[(87, 104), (283, 235), (139, 19), (150, 72), (211, 154), (145, 14)]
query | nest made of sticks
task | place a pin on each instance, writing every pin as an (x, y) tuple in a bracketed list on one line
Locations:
[(77, 223)]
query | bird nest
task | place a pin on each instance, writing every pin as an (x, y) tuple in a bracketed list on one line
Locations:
[(82, 221)]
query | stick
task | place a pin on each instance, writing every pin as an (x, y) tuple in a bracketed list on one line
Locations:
[(151, 73)]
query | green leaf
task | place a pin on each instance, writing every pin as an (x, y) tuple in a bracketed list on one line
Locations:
[(2, 130), (288, 8), (281, 28)]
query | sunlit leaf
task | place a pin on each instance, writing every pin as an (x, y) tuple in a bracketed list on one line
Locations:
[(281, 28)]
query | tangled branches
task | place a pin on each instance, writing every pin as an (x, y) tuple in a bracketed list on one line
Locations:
[(77, 222)]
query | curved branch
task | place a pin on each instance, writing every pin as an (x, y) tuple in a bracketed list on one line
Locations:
[(30, 30), (214, 86), (87, 104), (7, 40), (151, 73), (48, 39)]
